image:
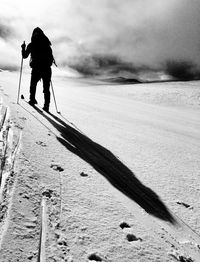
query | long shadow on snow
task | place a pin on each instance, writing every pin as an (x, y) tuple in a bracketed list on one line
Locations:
[(104, 161)]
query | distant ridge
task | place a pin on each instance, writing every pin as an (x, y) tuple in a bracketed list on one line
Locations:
[(123, 80)]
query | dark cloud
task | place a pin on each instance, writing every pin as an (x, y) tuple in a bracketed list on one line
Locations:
[(133, 37), (8, 49), (182, 70), (111, 67), (130, 37), (5, 31), (100, 64)]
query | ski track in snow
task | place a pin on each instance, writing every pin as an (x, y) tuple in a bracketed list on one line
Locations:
[(57, 204)]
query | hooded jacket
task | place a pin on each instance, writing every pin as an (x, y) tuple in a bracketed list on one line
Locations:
[(40, 50)]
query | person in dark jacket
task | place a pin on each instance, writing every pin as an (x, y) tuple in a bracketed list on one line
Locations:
[(41, 61)]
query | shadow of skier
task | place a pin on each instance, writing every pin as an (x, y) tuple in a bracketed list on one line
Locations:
[(107, 164)]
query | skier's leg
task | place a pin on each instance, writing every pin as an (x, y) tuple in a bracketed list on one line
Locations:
[(46, 87), (35, 77)]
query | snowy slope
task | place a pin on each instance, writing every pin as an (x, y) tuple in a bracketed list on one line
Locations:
[(84, 179)]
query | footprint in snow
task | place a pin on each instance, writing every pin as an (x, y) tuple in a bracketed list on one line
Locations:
[(18, 126), (62, 242), (48, 193), (24, 194), (124, 225), (185, 259), (180, 258), (30, 257), (22, 118), (83, 174), (40, 143), (57, 167), (94, 257), (131, 238), (184, 204)]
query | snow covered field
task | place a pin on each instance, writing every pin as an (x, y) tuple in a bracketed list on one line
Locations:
[(84, 178)]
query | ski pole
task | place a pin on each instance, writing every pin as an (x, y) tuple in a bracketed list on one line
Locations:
[(54, 98), (20, 77)]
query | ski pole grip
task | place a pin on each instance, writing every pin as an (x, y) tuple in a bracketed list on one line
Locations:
[(23, 45)]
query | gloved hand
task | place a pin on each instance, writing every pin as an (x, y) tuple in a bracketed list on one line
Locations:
[(23, 46)]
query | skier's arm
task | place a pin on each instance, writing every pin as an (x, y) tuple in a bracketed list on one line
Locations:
[(26, 51)]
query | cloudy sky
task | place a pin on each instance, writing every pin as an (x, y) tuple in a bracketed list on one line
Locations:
[(113, 35)]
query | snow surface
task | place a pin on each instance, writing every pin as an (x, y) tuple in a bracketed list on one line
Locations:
[(114, 177)]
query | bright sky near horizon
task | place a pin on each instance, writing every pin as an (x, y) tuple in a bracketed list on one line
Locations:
[(145, 32)]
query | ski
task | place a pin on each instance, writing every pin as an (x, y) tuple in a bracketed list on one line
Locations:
[(35, 106)]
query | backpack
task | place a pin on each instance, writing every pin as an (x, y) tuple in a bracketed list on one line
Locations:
[(41, 55)]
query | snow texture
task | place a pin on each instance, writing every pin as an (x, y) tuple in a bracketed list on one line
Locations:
[(113, 178)]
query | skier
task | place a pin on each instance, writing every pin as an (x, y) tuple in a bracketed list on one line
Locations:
[(41, 61)]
